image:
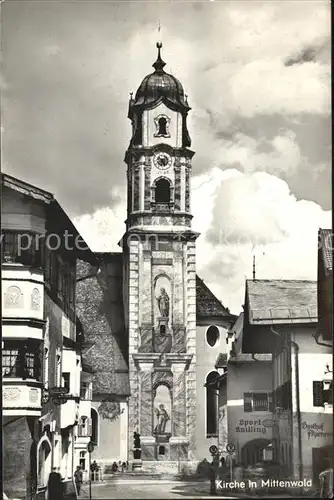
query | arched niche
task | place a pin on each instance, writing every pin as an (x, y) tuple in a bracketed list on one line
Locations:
[(162, 285), (162, 409)]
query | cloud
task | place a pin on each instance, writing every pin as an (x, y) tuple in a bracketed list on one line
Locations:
[(103, 229), (276, 155), (254, 213)]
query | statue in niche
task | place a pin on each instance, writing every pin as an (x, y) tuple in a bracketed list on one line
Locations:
[(136, 440), (163, 418), (163, 303)]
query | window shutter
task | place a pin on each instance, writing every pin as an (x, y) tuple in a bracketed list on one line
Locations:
[(318, 396), (89, 426)]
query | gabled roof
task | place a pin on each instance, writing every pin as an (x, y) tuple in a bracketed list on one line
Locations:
[(325, 241), (281, 301), (207, 304), (57, 219), (26, 189)]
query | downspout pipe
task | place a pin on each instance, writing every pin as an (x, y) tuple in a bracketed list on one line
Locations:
[(299, 423)]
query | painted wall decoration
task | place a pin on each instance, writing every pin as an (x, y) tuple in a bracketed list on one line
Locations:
[(13, 297), (162, 299), (162, 407), (35, 299), (11, 393), (110, 410)]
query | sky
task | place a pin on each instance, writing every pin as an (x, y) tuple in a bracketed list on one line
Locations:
[(257, 75)]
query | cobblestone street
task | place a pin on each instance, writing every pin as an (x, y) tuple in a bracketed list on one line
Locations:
[(149, 489)]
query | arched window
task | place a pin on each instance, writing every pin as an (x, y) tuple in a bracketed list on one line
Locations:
[(95, 423), (212, 335), (162, 123), (211, 405), (162, 126), (162, 191)]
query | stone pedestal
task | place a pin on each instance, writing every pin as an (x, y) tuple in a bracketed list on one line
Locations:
[(179, 448), (137, 465), (148, 447)]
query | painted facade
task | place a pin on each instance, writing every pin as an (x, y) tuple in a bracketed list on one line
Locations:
[(40, 344)]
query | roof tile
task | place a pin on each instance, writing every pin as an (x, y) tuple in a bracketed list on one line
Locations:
[(207, 304), (279, 301)]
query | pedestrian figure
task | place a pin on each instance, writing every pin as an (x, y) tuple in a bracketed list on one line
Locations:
[(94, 468), (78, 478), (326, 481), (123, 467), (212, 474), (55, 485), (114, 467)]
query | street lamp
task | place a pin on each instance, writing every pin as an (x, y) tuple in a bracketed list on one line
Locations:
[(90, 449)]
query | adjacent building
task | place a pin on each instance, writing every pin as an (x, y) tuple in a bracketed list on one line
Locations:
[(279, 379), (40, 342), (249, 390)]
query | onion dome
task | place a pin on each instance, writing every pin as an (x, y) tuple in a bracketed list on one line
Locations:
[(159, 86)]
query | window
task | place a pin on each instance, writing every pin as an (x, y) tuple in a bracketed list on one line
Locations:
[(21, 360), (211, 405), (94, 434), (322, 393), (212, 335), (162, 126), (162, 191), (58, 369), (66, 380), (161, 450), (84, 427), (162, 123), (46, 367), (22, 248), (328, 392), (86, 392), (82, 460), (257, 401), (162, 328)]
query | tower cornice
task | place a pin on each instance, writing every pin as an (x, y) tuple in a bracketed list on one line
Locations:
[(144, 234), (138, 151)]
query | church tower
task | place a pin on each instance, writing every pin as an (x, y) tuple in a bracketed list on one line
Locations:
[(160, 274)]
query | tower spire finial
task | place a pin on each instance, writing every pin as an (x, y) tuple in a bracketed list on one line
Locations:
[(159, 63), (253, 267)]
